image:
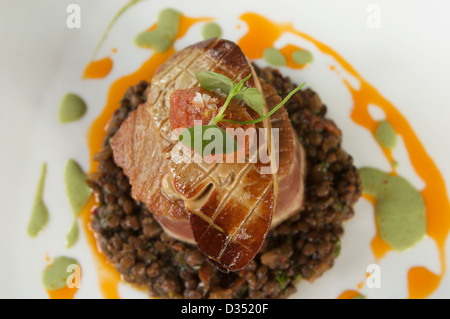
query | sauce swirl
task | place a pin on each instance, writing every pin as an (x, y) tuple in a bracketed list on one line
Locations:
[(421, 281)]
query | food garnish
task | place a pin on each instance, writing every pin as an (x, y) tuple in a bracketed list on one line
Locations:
[(274, 56), (39, 215), (302, 57), (163, 36), (71, 108), (252, 97), (211, 30)]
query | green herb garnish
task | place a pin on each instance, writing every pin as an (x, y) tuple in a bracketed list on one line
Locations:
[(282, 278), (243, 292), (297, 277), (337, 249), (251, 96), (270, 113), (199, 138)]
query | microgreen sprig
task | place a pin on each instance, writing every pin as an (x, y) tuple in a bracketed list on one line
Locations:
[(271, 112), (236, 89), (252, 97)]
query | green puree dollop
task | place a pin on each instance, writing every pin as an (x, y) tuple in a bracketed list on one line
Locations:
[(72, 235), (163, 36), (39, 214), (78, 193), (274, 56), (385, 135), (55, 276), (71, 108), (302, 57), (211, 30), (400, 209), (77, 190)]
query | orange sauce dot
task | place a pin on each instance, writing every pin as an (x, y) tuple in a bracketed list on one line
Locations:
[(422, 282), (63, 293), (349, 294), (98, 69)]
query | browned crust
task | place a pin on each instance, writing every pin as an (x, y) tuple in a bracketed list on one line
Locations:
[(227, 212), (144, 165)]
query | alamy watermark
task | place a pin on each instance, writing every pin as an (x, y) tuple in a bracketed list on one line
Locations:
[(373, 20), (73, 20), (373, 279), (74, 279), (246, 145)]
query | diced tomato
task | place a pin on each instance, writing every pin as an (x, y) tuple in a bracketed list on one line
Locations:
[(187, 106)]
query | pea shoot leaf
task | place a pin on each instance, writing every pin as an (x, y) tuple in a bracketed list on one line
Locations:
[(253, 98), (208, 140), (211, 80)]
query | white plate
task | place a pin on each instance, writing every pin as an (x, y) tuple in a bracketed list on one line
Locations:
[(406, 59)]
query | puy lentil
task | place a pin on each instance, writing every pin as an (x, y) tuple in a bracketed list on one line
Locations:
[(304, 246)]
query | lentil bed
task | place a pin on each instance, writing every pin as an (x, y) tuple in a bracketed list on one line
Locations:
[(303, 246)]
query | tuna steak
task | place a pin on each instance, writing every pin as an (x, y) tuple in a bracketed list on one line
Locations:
[(229, 206)]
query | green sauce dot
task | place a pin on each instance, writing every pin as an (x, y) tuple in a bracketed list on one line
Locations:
[(360, 297), (72, 235), (302, 57), (385, 135), (55, 276), (211, 30), (400, 209), (39, 214), (71, 108), (77, 190), (163, 36), (274, 56)]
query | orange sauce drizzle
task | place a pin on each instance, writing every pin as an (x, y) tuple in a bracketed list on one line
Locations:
[(109, 277), (349, 294), (98, 69), (421, 282), (434, 193), (63, 293)]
